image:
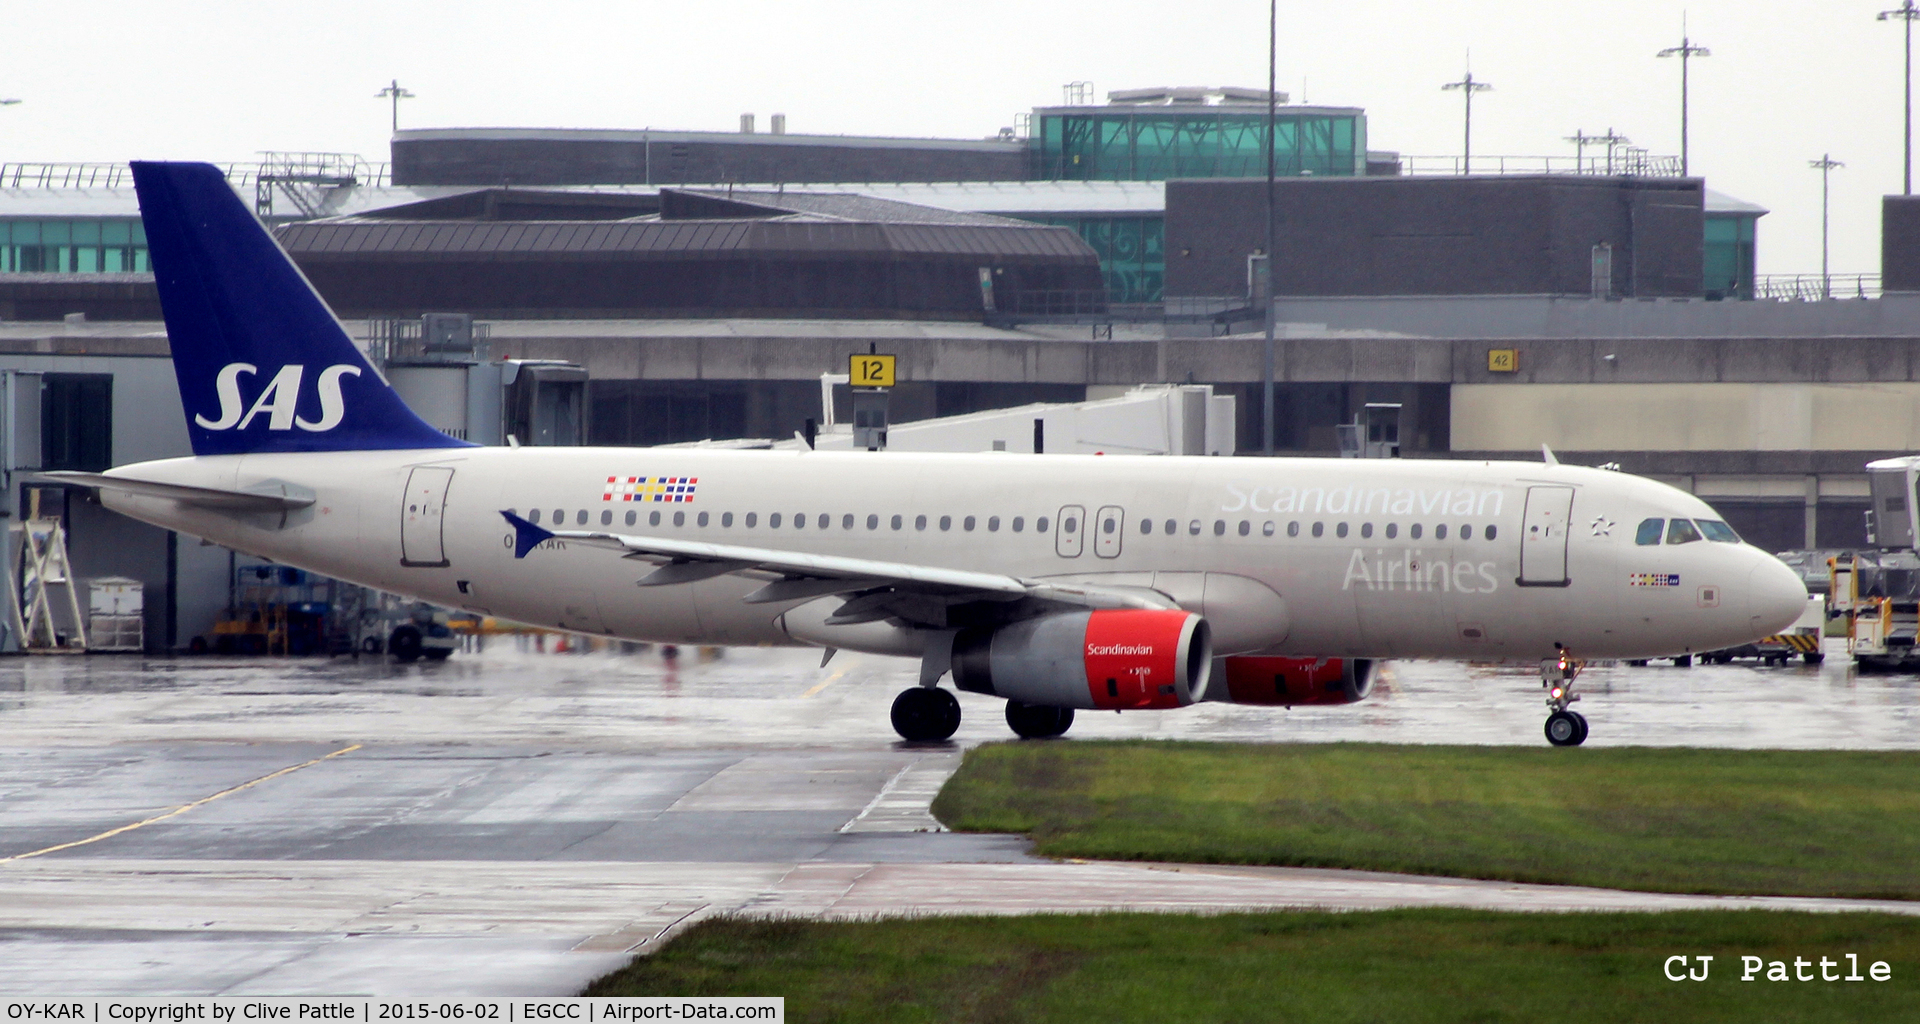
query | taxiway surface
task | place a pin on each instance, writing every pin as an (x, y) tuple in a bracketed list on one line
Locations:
[(516, 823)]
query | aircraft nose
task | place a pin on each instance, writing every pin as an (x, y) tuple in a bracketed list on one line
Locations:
[(1776, 597)]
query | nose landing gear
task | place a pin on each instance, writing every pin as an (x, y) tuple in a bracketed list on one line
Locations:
[(1565, 728)]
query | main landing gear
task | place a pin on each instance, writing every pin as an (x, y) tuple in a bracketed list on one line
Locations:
[(926, 714), (1038, 721), (1565, 728)]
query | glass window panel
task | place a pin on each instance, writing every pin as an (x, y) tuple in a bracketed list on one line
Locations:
[(56, 231), (86, 232), (113, 231)]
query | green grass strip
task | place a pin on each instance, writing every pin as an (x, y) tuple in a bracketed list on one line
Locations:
[(1784, 822), (1407, 966)]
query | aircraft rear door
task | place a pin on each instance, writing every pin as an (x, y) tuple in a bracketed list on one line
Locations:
[(1543, 537), (422, 516), (1069, 531)]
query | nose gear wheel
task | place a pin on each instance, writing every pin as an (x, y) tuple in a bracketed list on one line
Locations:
[(1565, 727)]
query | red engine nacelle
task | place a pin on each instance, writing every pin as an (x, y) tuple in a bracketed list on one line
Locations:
[(1125, 658), (1266, 679)]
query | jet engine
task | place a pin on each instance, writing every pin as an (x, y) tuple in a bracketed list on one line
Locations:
[(1273, 680), (1118, 659)]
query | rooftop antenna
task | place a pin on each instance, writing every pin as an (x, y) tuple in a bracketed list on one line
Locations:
[(1686, 51), (394, 92), (1580, 139), (1468, 87), (1611, 139)]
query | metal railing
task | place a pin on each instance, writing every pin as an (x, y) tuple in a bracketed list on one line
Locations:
[(1624, 162), (240, 175), (1816, 287)]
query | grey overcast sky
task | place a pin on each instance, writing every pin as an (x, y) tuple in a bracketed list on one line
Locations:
[(1788, 80)]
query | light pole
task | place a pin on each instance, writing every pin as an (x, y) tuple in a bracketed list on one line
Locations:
[(1686, 51), (1825, 166), (1273, 104), (1906, 12), (394, 92), (1467, 87)]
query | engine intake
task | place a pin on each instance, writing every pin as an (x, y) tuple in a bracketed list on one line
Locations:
[(1123, 658), (1279, 681)]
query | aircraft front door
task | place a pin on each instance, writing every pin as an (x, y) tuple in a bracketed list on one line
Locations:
[(1543, 537), (422, 516), (1109, 526), (1070, 531)]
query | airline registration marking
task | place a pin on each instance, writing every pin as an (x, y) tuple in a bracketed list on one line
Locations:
[(670, 489), (1653, 579)]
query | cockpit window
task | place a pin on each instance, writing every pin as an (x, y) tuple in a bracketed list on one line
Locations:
[(1718, 531), (1649, 532), (1681, 531)]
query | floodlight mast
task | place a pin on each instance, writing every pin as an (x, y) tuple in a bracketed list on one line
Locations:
[(1273, 116), (1825, 165), (1906, 13), (394, 92), (1686, 51), (1467, 87)]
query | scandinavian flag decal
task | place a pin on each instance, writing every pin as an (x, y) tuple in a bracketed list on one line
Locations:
[(663, 489)]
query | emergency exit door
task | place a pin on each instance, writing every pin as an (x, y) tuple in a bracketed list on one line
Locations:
[(422, 516), (1070, 531), (1109, 526), (1544, 535)]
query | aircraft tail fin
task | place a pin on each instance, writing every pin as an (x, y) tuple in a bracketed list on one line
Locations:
[(263, 364)]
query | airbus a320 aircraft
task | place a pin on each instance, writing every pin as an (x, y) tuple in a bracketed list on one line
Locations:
[(1057, 582)]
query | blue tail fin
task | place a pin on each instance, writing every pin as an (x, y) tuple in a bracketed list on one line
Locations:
[(263, 364)]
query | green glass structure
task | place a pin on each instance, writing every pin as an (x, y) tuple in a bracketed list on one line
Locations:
[(72, 246), (1133, 252), (1155, 143), (1726, 259)]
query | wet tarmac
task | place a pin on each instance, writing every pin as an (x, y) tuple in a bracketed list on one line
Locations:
[(517, 823)]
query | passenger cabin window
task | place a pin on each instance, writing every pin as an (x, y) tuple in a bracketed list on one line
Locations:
[(773, 521), (653, 519), (580, 518), (606, 517), (533, 516), (1649, 532), (1019, 523), (1718, 531), (703, 519), (726, 518), (633, 517), (753, 519), (679, 519), (1040, 525), (1146, 526), (1681, 531)]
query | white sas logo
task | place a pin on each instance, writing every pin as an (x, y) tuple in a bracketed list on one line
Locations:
[(281, 399)]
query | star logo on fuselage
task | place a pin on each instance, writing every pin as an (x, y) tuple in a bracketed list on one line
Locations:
[(1602, 526)]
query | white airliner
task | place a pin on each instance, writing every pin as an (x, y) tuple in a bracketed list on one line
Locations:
[(1055, 581)]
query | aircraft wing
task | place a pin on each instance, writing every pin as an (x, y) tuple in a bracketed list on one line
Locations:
[(267, 498), (884, 589)]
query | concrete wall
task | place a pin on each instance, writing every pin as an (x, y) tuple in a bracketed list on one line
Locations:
[(1561, 316), (1495, 235), (673, 158), (1687, 417)]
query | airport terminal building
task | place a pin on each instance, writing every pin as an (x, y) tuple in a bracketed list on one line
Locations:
[(697, 284)]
